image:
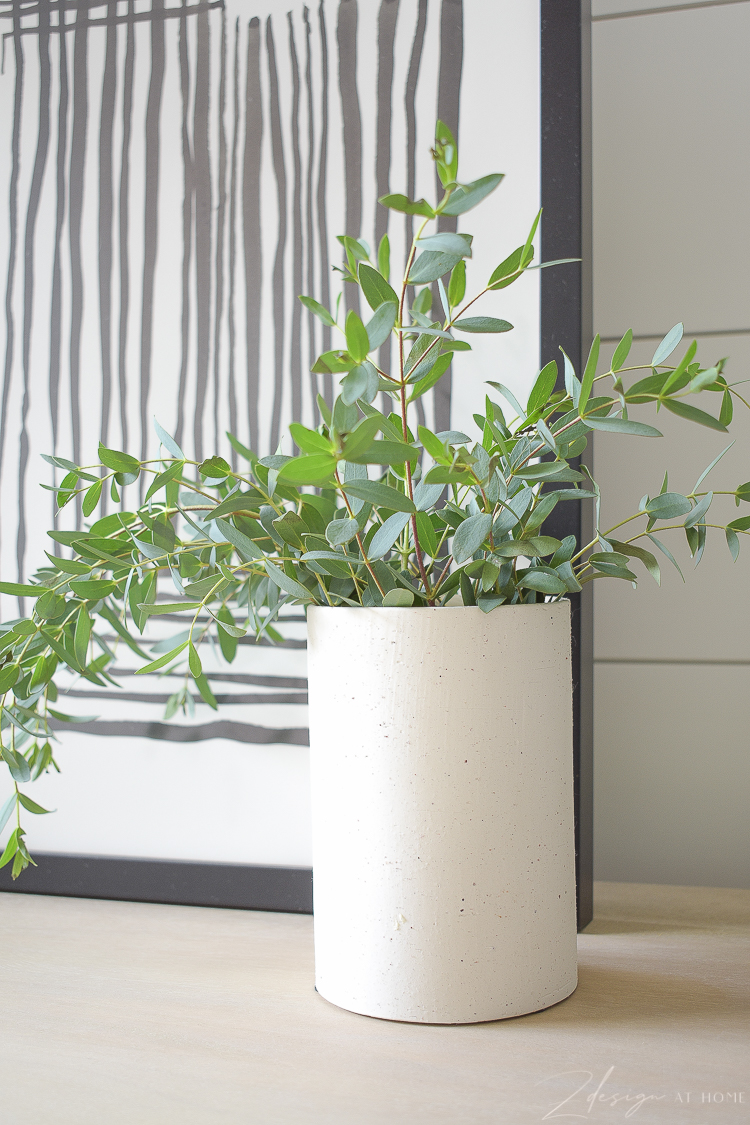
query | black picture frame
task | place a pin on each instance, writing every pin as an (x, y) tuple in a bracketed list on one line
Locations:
[(565, 321)]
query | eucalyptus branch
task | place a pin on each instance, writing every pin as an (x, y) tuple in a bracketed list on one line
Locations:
[(109, 576), (358, 537)]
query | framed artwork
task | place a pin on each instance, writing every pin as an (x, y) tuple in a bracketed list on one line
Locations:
[(176, 173)]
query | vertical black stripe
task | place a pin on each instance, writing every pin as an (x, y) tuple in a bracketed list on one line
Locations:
[(296, 340), (279, 169), (325, 281), (123, 215), (232, 237), (309, 227), (106, 125), (13, 223), (251, 223), (386, 34), (220, 221), (449, 93), (202, 225), (346, 34), (187, 224), (40, 161), (151, 214), (76, 182), (410, 97), (55, 328)]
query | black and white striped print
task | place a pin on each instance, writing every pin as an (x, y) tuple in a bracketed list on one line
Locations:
[(176, 173)]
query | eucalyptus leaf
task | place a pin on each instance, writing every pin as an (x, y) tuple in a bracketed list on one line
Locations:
[(168, 442), (387, 453), (699, 510), (242, 542), (543, 387), (542, 581), (6, 810), (453, 437), (319, 310), (668, 506), (382, 495), (623, 426), (467, 196), (713, 464), (120, 462), (667, 345), (312, 468), (572, 384), (341, 531), (646, 557), (17, 764), (549, 470), (152, 609), (387, 534), (162, 661), (430, 265), (375, 287), (398, 599), (354, 386), (508, 271), (446, 242), (379, 327), (470, 535), (665, 551), (31, 805), (693, 414), (408, 206), (482, 324), (20, 590), (622, 351), (288, 585), (427, 495)]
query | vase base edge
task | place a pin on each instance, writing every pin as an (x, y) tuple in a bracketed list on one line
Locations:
[(526, 1009)]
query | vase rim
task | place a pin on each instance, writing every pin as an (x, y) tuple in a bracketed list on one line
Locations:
[(439, 608)]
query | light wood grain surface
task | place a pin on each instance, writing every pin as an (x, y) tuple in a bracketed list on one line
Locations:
[(134, 1014)]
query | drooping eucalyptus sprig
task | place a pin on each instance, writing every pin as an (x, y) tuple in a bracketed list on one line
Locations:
[(374, 509)]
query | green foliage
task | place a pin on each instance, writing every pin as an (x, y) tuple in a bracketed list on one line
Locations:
[(366, 509)]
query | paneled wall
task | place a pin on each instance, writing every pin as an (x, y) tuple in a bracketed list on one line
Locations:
[(671, 166)]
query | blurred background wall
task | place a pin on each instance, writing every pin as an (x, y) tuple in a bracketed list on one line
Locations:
[(671, 167)]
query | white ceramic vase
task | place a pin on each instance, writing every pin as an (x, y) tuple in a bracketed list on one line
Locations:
[(442, 796)]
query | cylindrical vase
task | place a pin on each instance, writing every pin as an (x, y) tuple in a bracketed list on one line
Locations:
[(442, 799)]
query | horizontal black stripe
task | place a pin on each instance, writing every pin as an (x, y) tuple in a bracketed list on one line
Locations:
[(167, 732), (262, 643), (232, 678), (282, 619), (236, 885), (144, 697), (112, 21), (112, 638), (265, 643)]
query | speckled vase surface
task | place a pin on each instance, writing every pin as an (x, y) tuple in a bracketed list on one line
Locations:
[(442, 792)]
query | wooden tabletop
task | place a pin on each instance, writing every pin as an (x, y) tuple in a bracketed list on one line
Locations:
[(134, 1014)]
